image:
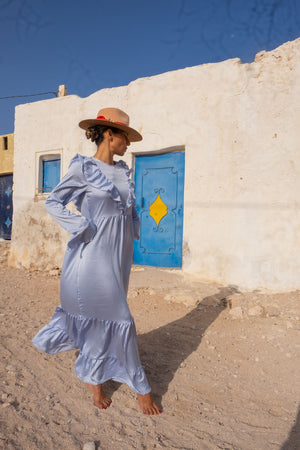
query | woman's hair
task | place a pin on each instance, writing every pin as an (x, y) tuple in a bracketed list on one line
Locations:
[(96, 133)]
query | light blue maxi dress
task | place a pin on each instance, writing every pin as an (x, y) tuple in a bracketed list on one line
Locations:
[(94, 315)]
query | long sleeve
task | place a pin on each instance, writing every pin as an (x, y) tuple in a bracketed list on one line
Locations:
[(72, 186), (136, 223)]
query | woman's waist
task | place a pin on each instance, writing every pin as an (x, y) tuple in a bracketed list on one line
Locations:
[(101, 218)]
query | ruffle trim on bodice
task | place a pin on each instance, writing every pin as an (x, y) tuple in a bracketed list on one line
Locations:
[(95, 177), (108, 348)]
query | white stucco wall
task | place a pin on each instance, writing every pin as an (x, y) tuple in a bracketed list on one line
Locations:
[(239, 124)]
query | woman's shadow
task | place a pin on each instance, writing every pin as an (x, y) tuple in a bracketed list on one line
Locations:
[(293, 441), (164, 349)]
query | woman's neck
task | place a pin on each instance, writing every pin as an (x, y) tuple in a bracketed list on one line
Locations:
[(104, 154), (104, 151)]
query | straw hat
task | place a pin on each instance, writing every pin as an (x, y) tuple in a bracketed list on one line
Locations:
[(112, 117)]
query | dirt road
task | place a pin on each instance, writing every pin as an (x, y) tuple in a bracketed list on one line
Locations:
[(224, 367)]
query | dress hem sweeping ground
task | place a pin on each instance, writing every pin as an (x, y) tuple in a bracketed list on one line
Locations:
[(94, 315)]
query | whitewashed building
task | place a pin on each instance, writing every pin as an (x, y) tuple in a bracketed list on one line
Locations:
[(235, 218)]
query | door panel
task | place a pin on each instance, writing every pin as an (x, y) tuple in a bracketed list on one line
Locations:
[(6, 206), (159, 183)]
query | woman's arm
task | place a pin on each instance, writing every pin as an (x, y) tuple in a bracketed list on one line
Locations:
[(71, 186), (136, 223)]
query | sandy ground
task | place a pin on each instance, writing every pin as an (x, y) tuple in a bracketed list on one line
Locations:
[(224, 367)]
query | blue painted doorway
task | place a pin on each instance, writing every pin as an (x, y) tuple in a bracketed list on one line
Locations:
[(6, 206), (159, 187)]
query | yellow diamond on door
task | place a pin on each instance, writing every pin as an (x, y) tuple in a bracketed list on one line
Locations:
[(158, 209)]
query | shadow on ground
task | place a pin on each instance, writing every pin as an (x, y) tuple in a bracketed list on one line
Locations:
[(293, 441), (164, 349)]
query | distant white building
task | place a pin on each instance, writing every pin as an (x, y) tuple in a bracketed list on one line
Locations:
[(219, 189)]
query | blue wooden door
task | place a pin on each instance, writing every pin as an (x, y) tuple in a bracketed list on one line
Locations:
[(6, 206), (159, 187)]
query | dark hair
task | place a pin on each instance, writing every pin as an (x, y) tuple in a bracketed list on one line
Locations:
[(95, 134)]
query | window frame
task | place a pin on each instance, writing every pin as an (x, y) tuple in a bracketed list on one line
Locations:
[(40, 157)]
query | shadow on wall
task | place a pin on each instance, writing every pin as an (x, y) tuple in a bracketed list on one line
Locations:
[(163, 350), (293, 441)]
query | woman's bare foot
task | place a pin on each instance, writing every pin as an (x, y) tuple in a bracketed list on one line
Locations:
[(100, 398), (147, 404)]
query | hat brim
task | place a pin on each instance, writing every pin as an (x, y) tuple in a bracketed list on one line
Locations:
[(132, 134)]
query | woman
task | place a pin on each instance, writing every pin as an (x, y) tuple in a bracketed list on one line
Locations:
[(94, 315)]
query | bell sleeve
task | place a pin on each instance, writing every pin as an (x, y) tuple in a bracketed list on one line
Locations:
[(72, 186)]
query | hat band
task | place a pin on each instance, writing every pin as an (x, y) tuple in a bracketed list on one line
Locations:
[(109, 120)]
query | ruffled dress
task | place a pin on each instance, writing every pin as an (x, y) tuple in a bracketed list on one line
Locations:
[(94, 316)]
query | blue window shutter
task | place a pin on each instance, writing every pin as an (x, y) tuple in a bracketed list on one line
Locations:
[(51, 174)]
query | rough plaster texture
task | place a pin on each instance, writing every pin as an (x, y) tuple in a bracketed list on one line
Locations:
[(6, 154), (239, 126)]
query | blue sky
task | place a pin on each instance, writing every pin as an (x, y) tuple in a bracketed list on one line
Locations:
[(95, 44)]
